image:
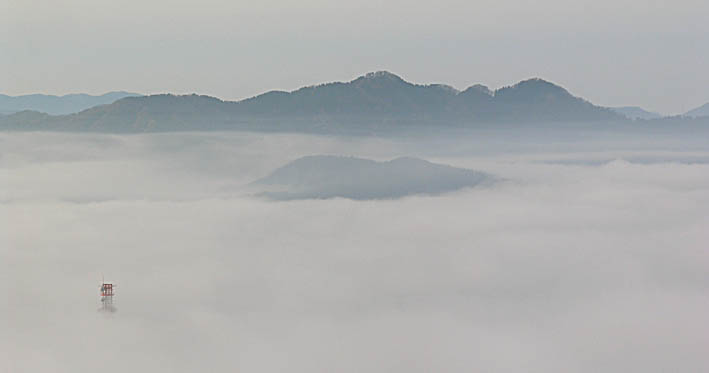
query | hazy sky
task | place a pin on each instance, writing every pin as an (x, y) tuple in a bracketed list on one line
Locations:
[(612, 52)]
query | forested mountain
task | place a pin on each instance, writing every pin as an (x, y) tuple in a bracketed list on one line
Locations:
[(375, 99), (385, 95), (374, 94)]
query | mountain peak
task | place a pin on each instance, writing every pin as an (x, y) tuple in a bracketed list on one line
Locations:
[(382, 74), (379, 77), (538, 83), (479, 88), (534, 88)]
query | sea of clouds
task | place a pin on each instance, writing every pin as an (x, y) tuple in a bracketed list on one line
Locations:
[(586, 258)]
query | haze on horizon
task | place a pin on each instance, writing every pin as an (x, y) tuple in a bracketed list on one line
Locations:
[(613, 53)]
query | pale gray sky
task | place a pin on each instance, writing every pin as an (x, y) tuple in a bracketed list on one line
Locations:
[(612, 52)]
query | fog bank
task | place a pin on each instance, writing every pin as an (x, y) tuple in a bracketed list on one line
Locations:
[(571, 264)]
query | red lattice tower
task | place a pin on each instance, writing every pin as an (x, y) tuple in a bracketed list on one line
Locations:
[(107, 297)]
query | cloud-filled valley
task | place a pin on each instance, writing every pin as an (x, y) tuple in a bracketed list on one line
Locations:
[(586, 256)]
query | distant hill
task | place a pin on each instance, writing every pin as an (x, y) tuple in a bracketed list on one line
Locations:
[(374, 101), (702, 111), (57, 105), (324, 176), (635, 112)]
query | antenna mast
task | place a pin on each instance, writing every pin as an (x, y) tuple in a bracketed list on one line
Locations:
[(106, 297)]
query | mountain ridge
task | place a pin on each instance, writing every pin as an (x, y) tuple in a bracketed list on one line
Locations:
[(373, 100), (58, 104), (701, 111)]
